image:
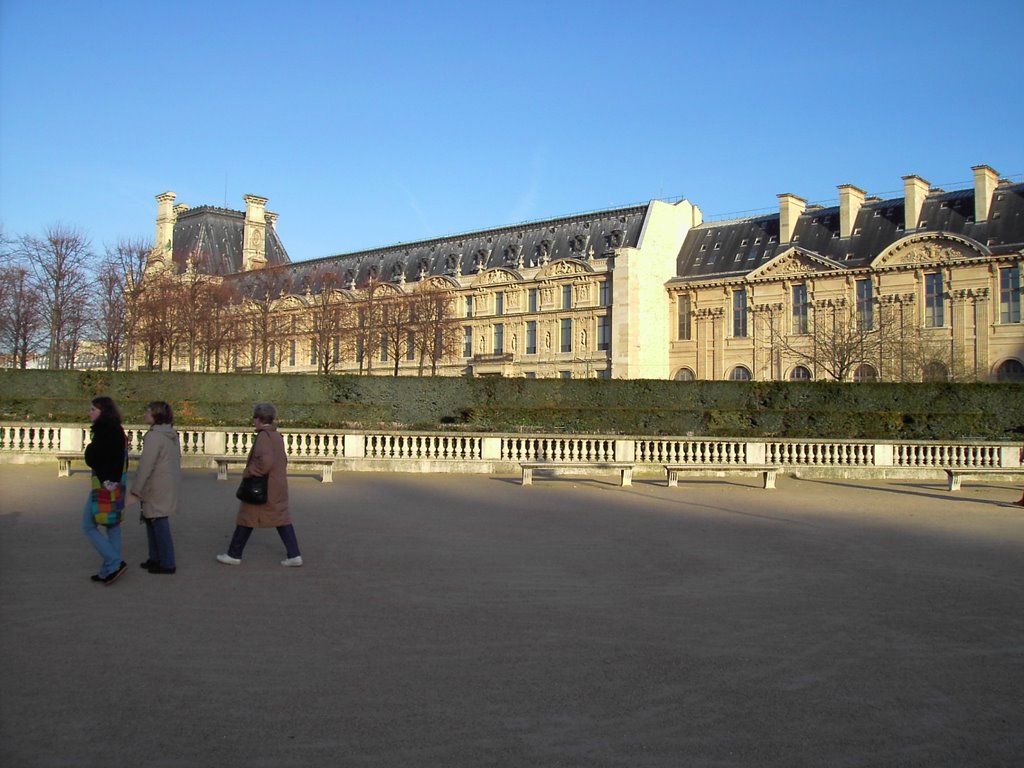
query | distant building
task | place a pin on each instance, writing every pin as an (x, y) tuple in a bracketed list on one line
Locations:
[(926, 286)]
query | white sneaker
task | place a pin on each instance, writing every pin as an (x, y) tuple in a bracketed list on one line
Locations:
[(228, 560), (293, 562)]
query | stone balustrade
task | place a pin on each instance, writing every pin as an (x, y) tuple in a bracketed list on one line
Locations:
[(400, 451)]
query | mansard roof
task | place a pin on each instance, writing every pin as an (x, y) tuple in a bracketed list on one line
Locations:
[(213, 238), (583, 237), (719, 250)]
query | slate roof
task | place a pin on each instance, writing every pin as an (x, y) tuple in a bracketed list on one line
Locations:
[(724, 249), (214, 237), (584, 236)]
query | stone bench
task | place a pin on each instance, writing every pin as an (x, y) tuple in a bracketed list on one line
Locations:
[(673, 471), (625, 469), (955, 474), (325, 465), (64, 461)]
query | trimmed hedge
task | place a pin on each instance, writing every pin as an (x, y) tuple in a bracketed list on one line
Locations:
[(636, 407)]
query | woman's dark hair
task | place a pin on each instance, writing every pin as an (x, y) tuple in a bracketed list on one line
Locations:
[(107, 408), (161, 412)]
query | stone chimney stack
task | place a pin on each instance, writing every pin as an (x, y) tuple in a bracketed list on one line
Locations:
[(254, 242), (162, 254), (915, 190), (790, 209), (851, 198), (985, 181)]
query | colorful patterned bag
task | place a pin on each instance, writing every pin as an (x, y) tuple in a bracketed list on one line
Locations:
[(107, 498)]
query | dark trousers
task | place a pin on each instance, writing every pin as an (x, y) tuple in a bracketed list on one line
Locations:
[(161, 546), (242, 534)]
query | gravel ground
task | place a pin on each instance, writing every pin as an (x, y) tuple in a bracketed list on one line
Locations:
[(454, 620)]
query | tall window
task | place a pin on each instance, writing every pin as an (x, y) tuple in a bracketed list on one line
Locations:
[(291, 352), (467, 341), (604, 293), (335, 348), (383, 347), (800, 309), (469, 306), (531, 337), (604, 332), (499, 303), (567, 297), (532, 299), (273, 354), (683, 315), (566, 335), (312, 352), (865, 305), (739, 314), (1009, 295), (499, 338), (410, 346), (934, 316)]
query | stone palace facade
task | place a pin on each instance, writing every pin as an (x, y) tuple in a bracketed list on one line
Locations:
[(922, 287)]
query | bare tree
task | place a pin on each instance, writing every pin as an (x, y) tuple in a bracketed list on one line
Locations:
[(396, 328), (436, 329), (111, 321), (329, 321), (21, 318), (838, 339), (368, 322), (128, 260), (60, 261)]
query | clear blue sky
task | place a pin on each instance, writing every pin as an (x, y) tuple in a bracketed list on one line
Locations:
[(367, 124)]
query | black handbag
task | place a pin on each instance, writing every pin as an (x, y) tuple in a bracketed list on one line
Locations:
[(253, 490)]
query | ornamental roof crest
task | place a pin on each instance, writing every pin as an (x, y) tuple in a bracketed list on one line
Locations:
[(935, 248), (565, 267), (497, 275), (794, 262)]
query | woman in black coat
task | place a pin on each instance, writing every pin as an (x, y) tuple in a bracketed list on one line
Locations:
[(105, 455)]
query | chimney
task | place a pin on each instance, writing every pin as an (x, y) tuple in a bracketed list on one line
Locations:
[(163, 244), (272, 220), (915, 190), (790, 208), (985, 181), (851, 198), (254, 242)]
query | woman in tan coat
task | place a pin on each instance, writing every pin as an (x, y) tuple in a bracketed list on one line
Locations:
[(267, 457), (157, 485)]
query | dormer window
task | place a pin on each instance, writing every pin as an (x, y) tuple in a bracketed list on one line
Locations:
[(717, 246), (796, 238), (703, 246), (743, 242), (757, 241), (771, 239), (856, 231)]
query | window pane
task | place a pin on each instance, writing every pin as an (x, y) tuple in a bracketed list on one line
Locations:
[(683, 309), (739, 314), (934, 317), (1009, 295)]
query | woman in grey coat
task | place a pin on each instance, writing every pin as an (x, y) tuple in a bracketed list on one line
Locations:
[(157, 485)]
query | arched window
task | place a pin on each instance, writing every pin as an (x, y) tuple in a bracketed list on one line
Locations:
[(800, 373), (865, 373), (1010, 370), (684, 374), (934, 371), (739, 373)]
